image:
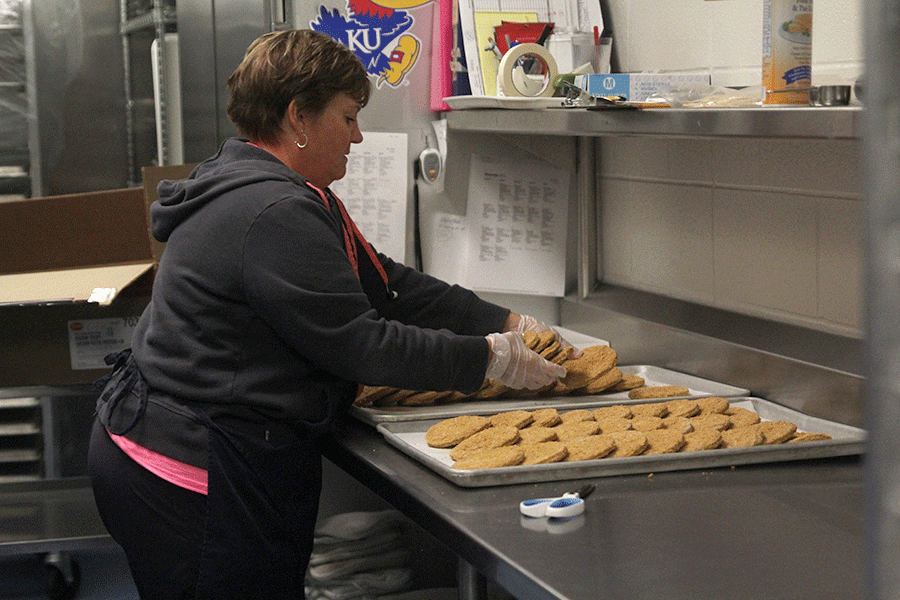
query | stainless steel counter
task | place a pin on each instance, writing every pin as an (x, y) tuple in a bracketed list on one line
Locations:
[(791, 530)]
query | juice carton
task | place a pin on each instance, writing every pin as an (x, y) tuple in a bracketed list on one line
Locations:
[(787, 50)]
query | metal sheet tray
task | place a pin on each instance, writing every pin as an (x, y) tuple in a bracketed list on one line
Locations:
[(409, 437), (697, 386)]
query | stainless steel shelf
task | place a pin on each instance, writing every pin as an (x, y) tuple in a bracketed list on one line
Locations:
[(19, 403), (19, 456), (16, 429), (49, 516), (771, 122)]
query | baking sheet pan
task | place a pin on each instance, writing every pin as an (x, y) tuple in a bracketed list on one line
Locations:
[(653, 376), (409, 437)]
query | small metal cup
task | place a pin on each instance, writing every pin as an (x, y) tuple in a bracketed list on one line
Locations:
[(829, 95)]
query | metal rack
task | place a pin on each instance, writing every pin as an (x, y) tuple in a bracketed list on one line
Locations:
[(21, 443), (156, 17), (46, 503), (16, 64)]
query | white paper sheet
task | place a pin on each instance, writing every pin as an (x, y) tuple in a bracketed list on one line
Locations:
[(517, 215), (374, 190), (447, 259)]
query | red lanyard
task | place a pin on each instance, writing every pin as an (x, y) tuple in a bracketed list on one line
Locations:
[(352, 235)]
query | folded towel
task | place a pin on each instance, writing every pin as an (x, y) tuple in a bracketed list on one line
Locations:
[(362, 585), (331, 552), (357, 525), (340, 569), (425, 594)]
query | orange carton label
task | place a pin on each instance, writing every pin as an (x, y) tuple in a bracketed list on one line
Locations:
[(787, 50)]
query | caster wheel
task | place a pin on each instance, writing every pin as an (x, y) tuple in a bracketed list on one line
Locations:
[(63, 580)]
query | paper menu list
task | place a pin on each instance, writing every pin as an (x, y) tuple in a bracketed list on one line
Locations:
[(516, 220), (512, 239), (374, 190)]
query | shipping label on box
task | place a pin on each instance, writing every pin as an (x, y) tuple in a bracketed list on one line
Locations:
[(637, 87), (90, 340)]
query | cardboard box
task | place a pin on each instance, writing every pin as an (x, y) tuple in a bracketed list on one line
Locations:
[(637, 87), (75, 274)]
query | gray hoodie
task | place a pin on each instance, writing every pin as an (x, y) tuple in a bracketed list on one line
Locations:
[(256, 303)]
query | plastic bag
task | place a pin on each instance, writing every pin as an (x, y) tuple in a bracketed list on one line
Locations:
[(709, 96)]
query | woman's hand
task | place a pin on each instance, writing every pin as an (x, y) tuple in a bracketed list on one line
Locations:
[(523, 323), (515, 365)]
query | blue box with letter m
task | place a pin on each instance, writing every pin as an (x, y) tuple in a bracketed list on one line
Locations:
[(636, 87)]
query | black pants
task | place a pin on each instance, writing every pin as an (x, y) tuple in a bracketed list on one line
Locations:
[(160, 525), (250, 537)]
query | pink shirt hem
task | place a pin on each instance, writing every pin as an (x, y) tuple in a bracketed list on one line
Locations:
[(174, 471)]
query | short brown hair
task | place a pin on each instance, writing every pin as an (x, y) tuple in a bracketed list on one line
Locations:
[(302, 65)]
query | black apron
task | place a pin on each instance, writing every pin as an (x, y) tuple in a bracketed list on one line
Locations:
[(264, 482), (262, 503)]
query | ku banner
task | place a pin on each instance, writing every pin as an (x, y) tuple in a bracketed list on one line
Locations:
[(378, 32)]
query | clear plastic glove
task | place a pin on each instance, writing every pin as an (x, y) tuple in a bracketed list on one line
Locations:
[(515, 365), (527, 323)]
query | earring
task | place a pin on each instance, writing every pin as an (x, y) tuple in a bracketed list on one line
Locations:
[(305, 142)]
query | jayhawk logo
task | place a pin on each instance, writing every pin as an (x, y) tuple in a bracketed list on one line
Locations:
[(376, 31)]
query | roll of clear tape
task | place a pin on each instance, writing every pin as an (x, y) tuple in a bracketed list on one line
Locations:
[(515, 80)]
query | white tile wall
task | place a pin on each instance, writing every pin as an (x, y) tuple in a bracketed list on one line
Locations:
[(673, 248), (765, 252), (737, 162), (814, 165), (726, 37), (841, 273), (618, 215), (769, 228)]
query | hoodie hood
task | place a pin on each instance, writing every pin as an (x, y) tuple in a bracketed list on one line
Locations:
[(235, 165)]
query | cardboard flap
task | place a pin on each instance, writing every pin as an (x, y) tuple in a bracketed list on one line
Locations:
[(73, 231), (91, 284), (152, 176)]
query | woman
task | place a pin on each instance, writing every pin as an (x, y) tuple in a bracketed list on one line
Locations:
[(268, 310)]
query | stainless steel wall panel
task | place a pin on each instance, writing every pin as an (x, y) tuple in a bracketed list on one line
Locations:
[(80, 109), (799, 384), (199, 101), (237, 23)]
